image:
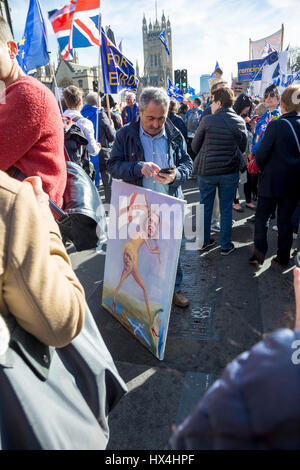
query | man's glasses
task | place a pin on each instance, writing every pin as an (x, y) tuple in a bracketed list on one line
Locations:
[(271, 95)]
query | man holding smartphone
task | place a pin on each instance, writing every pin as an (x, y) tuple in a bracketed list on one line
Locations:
[(145, 147)]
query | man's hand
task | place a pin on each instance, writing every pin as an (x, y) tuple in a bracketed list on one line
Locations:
[(149, 169), (165, 178)]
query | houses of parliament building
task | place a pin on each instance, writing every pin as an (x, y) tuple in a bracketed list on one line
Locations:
[(158, 65)]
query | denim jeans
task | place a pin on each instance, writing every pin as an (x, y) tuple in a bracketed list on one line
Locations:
[(227, 186)]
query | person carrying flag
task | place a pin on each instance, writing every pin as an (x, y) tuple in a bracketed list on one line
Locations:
[(31, 132)]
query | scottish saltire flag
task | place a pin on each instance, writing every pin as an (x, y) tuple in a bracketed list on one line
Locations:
[(162, 37), (267, 49), (76, 25), (216, 66), (269, 69), (297, 77), (33, 47), (121, 46), (118, 72), (173, 91), (191, 90)]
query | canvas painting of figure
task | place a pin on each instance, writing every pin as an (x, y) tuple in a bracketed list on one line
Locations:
[(145, 231)]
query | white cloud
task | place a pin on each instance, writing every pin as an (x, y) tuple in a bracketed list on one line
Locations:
[(203, 32)]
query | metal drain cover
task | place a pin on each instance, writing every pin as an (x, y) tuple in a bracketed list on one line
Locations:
[(197, 324)]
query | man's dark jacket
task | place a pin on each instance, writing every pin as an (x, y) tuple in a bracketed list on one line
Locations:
[(216, 141), (127, 156), (278, 158)]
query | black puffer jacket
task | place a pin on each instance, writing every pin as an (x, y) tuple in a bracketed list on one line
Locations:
[(278, 158), (216, 141)]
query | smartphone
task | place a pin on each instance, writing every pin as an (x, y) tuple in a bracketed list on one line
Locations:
[(168, 171), (297, 259)]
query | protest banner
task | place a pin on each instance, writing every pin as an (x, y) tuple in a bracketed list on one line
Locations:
[(118, 72), (256, 48), (145, 232), (250, 70)]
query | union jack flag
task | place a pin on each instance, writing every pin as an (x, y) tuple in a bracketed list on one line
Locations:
[(76, 25)]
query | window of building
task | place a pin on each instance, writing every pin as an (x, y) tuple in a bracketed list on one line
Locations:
[(80, 83)]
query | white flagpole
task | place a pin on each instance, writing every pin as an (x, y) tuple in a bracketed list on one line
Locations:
[(56, 88)]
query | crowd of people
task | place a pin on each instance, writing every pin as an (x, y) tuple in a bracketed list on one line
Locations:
[(219, 143)]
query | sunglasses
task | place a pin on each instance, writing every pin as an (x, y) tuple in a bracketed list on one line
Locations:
[(271, 95)]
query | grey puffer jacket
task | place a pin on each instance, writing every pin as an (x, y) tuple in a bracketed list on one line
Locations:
[(216, 141)]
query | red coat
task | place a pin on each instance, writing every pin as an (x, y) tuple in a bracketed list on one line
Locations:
[(32, 136)]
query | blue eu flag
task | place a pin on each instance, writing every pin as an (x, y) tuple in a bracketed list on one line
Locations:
[(33, 48), (173, 91), (162, 37)]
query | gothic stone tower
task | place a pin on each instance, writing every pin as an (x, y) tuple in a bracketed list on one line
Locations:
[(5, 12), (158, 65)]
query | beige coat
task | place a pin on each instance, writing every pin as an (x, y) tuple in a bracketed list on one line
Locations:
[(37, 283)]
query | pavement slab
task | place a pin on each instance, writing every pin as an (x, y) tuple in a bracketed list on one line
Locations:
[(232, 306)]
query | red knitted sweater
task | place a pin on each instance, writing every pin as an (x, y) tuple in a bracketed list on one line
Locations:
[(32, 136)]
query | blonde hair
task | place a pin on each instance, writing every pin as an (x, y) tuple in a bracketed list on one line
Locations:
[(291, 99)]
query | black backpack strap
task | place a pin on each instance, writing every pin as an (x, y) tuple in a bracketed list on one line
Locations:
[(293, 131), (58, 213)]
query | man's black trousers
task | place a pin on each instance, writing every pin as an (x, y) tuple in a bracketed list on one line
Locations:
[(285, 208)]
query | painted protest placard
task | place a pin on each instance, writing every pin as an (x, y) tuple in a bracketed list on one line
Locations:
[(145, 232)]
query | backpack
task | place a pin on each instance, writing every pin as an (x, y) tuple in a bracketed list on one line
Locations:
[(193, 120), (76, 146)]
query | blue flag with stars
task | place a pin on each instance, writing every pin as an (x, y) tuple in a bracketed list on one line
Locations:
[(173, 91), (33, 47), (162, 37)]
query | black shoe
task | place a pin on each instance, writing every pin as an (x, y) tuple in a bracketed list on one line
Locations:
[(228, 251), (256, 262), (208, 245), (278, 264)]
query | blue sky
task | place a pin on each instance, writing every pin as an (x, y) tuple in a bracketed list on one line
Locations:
[(203, 31)]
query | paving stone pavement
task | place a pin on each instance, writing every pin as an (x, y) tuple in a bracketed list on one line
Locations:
[(232, 306)]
